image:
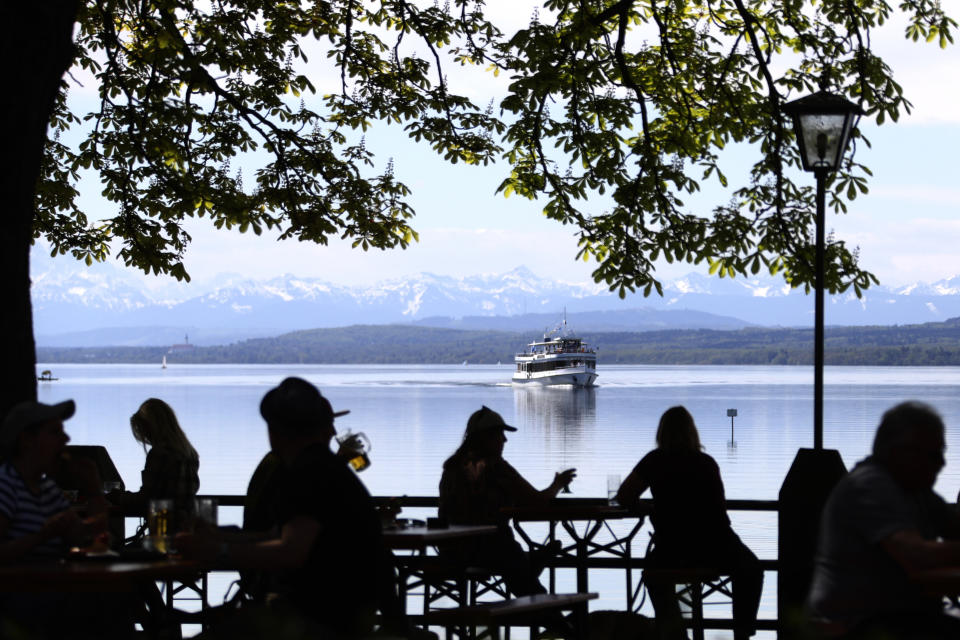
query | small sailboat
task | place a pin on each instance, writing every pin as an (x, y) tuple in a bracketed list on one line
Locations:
[(163, 363)]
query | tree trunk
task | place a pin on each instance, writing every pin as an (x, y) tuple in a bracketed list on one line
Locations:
[(35, 51)]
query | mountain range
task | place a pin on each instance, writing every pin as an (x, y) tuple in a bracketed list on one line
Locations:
[(105, 304)]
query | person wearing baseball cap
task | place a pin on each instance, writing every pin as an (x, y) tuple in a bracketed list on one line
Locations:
[(477, 483), (38, 523), (35, 517), (327, 565)]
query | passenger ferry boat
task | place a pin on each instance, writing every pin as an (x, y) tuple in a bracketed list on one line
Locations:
[(560, 358)]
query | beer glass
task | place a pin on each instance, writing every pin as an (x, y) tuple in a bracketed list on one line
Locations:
[(159, 525), (112, 485), (613, 487), (359, 445)]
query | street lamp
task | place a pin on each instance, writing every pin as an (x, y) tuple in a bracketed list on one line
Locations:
[(822, 123)]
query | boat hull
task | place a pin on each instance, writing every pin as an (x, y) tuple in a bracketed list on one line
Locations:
[(560, 377)]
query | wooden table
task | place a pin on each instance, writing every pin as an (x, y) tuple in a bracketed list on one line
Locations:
[(92, 575), (419, 538), (591, 520), (944, 581), (523, 610)]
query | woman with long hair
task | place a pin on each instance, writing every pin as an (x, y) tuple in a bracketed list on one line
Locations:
[(476, 484), (170, 470), (690, 522)]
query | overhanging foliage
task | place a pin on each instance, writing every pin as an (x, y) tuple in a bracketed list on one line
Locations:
[(614, 115)]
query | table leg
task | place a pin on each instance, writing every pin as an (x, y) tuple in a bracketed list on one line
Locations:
[(580, 621), (553, 570), (582, 573)]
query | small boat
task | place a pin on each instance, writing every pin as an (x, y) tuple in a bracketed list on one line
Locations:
[(561, 358), (163, 363), (46, 376)]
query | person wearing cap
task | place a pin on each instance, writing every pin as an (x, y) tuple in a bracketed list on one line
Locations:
[(37, 523), (327, 557), (476, 484), (35, 518)]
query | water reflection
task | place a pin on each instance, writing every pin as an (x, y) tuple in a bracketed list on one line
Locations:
[(566, 411)]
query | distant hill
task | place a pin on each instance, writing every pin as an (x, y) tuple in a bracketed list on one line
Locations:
[(925, 344), (590, 322), (627, 320), (151, 336)]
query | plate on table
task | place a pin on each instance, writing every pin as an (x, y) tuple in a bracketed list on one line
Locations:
[(406, 523), (90, 555)]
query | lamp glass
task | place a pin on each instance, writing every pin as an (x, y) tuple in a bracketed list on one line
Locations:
[(824, 139)]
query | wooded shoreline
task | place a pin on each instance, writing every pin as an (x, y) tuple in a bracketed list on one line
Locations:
[(931, 344)]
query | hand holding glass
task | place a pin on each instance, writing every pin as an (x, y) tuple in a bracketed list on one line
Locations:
[(356, 446), (565, 477)]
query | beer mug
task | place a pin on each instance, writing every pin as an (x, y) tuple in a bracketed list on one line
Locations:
[(359, 446), (160, 525), (613, 488)]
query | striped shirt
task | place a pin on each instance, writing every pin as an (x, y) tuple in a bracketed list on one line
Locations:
[(26, 512)]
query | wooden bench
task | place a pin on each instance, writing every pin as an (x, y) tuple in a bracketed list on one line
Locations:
[(439, 579), (527, 611)]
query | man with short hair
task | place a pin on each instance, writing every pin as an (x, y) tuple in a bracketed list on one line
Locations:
[(328, 558), (882, 522)]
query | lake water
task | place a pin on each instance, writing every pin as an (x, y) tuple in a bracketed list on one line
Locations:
[(415, 416)]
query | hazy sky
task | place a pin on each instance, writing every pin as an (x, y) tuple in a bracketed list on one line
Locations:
[(907, 228)]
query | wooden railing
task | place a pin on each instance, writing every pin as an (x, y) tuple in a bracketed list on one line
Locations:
[(626, 563)]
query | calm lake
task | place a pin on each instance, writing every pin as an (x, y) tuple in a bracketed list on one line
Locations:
[(415, 416)]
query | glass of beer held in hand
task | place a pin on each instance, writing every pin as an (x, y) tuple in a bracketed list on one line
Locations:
[(355, 447)]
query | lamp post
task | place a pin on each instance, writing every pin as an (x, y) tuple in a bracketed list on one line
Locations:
[(822, 122)]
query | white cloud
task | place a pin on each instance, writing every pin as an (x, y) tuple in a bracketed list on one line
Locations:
[(925, 194)]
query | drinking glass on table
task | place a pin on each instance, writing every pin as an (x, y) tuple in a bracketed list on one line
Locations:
[(613, 488), (160, 525), (205, 512), (109, 486)]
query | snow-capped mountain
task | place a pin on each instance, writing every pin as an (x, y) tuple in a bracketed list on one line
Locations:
[(69, 298)]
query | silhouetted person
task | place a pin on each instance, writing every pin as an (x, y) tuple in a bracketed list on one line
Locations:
[(476, 484), (882, 522), (261, 516), (171, 467), (691, 526), (327, 554), (37, 523)]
